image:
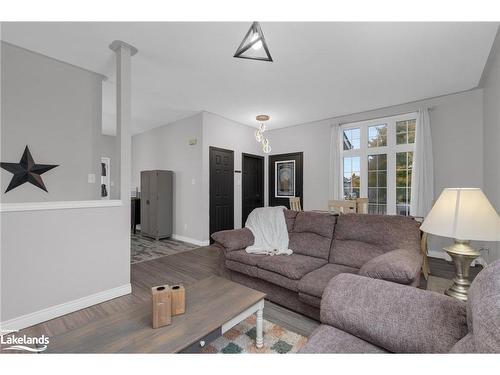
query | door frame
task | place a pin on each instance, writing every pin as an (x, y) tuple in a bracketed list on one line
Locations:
[(262, 162), (210, 198), (299, 158)]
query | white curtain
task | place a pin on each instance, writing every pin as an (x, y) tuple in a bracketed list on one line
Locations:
[(335, 142), (422, 177)]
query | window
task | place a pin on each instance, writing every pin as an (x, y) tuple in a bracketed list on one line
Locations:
[(377, 135), (351, 177), (377, 184), (351, 139), (405, 132), (377, 162), (403, 182)]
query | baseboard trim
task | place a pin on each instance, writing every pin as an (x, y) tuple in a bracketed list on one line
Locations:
[(190, 240), (56, 311), (442, 255)]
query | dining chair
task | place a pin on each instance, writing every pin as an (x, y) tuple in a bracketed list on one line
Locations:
[(295, 204), (362, 205), (342, 206)]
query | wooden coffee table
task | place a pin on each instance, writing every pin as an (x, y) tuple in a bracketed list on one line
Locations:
[(213, 306)]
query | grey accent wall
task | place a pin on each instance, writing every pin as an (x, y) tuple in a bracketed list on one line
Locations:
[(457, 138), (55, 109), (167, 147), (109, 149), (491, 84), (54, 257)]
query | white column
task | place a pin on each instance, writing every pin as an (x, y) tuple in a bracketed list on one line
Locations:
[(124, 52)]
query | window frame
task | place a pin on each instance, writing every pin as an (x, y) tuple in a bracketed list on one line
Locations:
[(391, 149)]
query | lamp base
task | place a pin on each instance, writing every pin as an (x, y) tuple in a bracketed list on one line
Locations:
[(463, 255)]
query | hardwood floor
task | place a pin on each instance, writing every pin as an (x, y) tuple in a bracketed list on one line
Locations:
[(187, 268)]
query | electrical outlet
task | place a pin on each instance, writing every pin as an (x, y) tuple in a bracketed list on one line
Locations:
[(185, 226), (91, 178)]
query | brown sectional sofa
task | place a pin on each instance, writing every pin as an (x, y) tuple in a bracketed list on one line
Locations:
[(377, 246)]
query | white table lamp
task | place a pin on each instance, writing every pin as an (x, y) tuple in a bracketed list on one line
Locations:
[(463, 214)]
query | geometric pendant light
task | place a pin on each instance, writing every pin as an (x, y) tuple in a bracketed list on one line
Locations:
[(254, 46)]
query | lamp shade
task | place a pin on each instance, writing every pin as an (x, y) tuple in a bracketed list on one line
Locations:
[(464, 214)]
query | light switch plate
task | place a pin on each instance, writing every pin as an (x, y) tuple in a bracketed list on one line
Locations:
[(91, 178)]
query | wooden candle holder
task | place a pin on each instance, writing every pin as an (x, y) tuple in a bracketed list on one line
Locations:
[(178, 294), (162, 305)]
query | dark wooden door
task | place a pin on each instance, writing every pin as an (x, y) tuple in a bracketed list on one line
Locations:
[(252, 184), (296, 159), (221, 189)]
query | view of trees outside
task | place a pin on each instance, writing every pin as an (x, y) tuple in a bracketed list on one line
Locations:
[(377, 136), (377, 184), (352, 177), (377, 167)]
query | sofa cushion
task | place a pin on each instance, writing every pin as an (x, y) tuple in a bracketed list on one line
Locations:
[(400, 266), (293, 266), (310, 300), (243, 257), (310, 244), (290, 217), (353, 253), (315, 282), (315, 222), (312, 234), (242, 268), (483, 309), (234, 239), (359, 238), (277, 279), (328, 339)]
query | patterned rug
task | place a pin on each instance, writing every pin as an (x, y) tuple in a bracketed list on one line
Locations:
[(144, 248), (241, 339)]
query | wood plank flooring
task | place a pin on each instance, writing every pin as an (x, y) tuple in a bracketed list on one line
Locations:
[(187, 268)]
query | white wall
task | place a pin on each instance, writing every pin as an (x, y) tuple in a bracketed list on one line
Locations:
[(314, 140), (167, 148), (224, 133), (492, 135), (457, 137), (55, 109)]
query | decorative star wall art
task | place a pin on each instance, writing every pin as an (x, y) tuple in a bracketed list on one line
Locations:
[(26, 171)]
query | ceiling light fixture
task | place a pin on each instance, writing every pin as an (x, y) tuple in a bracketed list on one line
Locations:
[(253, 46), (259, 133)]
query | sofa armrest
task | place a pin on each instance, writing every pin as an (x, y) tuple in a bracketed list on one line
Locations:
[(398, 318), (235, 239), (399, 266)]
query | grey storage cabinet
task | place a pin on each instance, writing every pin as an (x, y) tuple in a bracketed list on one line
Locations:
[(156, 203)]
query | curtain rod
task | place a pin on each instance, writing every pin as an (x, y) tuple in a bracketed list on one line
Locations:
[(378, 117)]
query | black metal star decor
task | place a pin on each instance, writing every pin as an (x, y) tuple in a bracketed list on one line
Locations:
[(26, 171), (254, 46)]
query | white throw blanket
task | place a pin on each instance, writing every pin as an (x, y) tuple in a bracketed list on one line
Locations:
[(268, 226)]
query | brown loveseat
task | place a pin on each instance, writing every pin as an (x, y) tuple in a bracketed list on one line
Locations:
[(377, 246)]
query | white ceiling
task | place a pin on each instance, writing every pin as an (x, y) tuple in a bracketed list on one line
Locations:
[(320, 70)]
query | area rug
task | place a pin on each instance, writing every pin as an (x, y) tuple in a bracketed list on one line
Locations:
[(144, 248), (241, 339)]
